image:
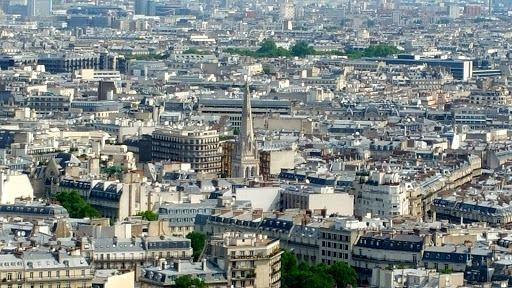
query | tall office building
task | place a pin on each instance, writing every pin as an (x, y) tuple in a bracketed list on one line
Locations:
[(39, 8), (287, 10), (453, 11), (246, 156), (197, 145), (141, 7)]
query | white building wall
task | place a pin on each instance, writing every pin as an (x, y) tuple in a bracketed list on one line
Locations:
[(266, 198), (14, 186), (339, 203)]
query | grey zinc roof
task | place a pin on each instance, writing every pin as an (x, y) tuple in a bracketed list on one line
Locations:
[(107, 245)]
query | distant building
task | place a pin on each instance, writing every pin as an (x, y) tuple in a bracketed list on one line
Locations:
[(495, 96), (68, 62), (197, 145), (287, 10), (457, 211), (472, 10), (39, 8), (453, 10), (233, 108)]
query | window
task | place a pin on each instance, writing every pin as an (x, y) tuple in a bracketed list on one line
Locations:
[(67, 273), (83, 272), (9, 276), (31, 275), (58, 275), (49, 274), (58, 283), (40, 274), (19, 276)]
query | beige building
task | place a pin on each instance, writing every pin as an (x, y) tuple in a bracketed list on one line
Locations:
[(44, 269), (113, 279), (495, 96), (250, 259), (272, 160), (277, 122), (317, 197)]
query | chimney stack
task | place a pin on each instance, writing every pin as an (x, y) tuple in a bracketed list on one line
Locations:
[(203, 264)]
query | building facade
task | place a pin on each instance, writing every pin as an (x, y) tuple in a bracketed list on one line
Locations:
[(198, 146), (250, 260), (380, 193)]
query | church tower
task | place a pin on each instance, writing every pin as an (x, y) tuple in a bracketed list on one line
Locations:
[(246, 162)]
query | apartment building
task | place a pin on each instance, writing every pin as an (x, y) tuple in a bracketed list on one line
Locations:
[(497, 95), (197, 145), (44, 269), (380, 193), (250, 259), (296, 232), (165, 274), (339, 235), (134, 252), (317, 197), (181, 216)]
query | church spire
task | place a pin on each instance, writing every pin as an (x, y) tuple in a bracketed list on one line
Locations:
[(246, 157)]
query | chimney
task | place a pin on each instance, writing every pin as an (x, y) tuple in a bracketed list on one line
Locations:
[(177, 265), (203, 264)]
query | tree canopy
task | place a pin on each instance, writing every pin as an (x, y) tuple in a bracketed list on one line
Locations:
[(76, 205), (269, 49), (148, 215), (187, 282), (302, 49), (322, 276), (198, 241)]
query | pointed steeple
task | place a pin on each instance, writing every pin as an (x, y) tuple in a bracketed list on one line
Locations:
[(246, 128), (246, 157)]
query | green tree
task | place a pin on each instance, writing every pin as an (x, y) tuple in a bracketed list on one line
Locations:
[(380, 50), (303, 275), (302, 49), (187, 282), (76, 205), (197, 241), (148, 215), (194, 51), (343, 275)]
